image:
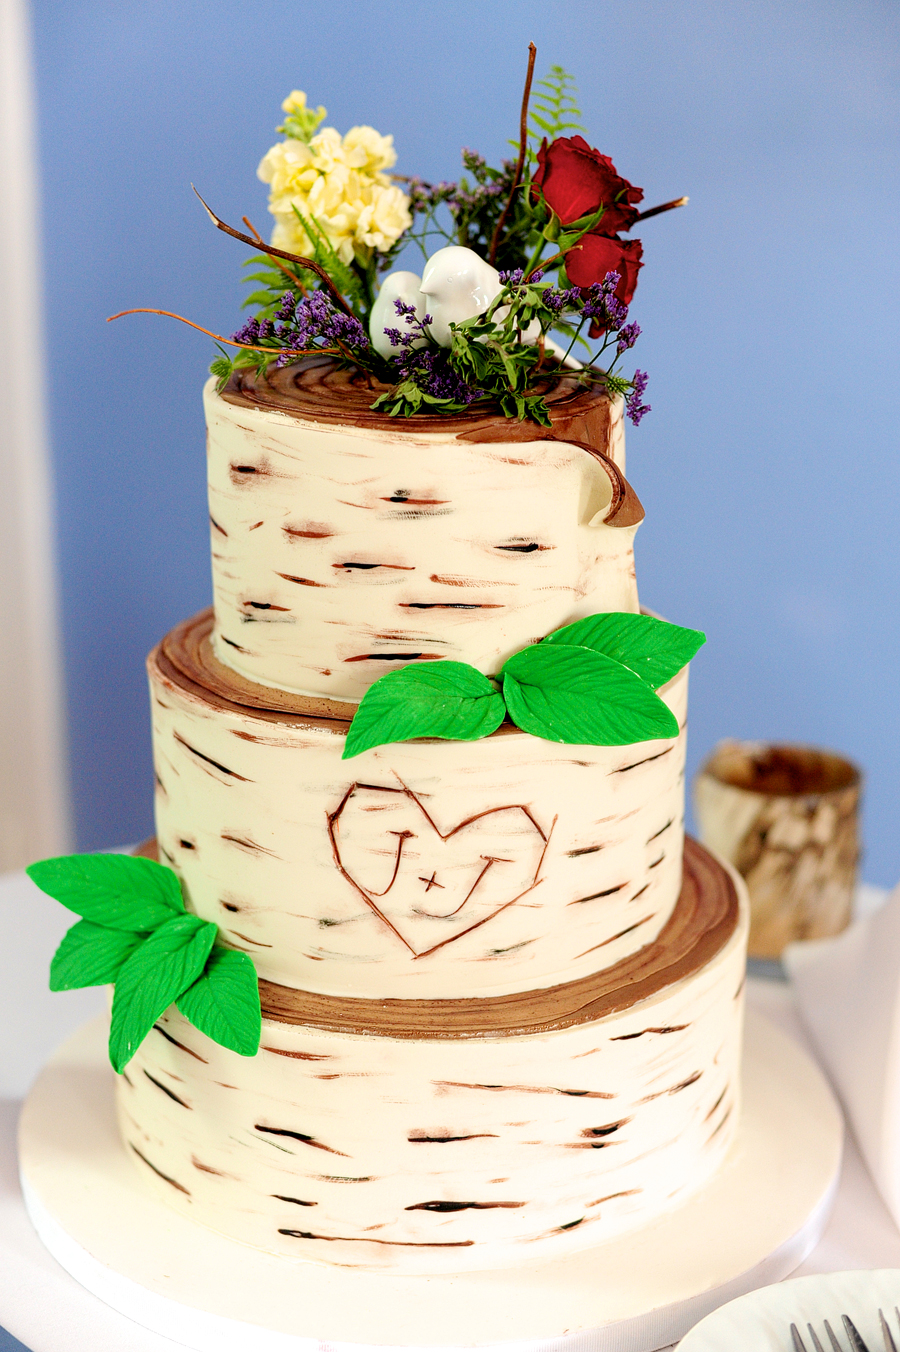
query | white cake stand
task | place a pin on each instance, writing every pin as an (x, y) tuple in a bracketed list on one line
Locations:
[(754, 1223)]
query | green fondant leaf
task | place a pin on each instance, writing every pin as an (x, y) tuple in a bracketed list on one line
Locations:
[(224, 1002), (580, 696), (654, 649), (90, 955), (426, 699), (120, 891), (153, 978)]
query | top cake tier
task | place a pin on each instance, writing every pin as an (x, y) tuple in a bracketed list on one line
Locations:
[(346, 543)]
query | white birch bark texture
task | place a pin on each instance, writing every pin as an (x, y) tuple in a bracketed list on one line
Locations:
[(418, 869), (34, 807), (342, 552), (422, 1155), (786, 818)]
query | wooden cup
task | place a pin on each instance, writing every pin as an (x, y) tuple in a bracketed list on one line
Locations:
[(786, 818)]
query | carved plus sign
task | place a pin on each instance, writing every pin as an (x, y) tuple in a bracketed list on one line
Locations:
[(431, 882)]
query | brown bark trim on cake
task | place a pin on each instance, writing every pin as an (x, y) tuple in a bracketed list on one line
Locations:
[(318, 389), (702, 923), (625, 508), (186, 656)]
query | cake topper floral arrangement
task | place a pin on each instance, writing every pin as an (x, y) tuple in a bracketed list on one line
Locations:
[(534, 272)]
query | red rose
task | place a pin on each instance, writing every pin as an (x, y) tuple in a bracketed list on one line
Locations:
[(575, 180), (595, 255)]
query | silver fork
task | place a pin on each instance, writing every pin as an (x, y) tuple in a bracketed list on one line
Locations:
[(853, 1336)]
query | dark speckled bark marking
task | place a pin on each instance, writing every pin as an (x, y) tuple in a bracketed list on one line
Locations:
[(675, 1088), (433, 1138), (258, 943), (295, 533), (532, 547), (595, 895), (157, 1028), (208, 1168), (392, 1243), (670, 1028), (661, 829), (621, 935), (367, 567), (449, 605), (245, 843), (159, 1173), (233, 774), (302, 581), (524, 1089), (300, 1136), (629, 1192), (715, 1105), (403, 497), (464, 1206), (297, 1201), (725, 1117), (622, 769), (585, 849), (231, 643), (165, 1089), (215, 525), (395, 657), (446, 581)]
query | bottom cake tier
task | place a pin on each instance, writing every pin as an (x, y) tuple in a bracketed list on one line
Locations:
[(429, 1136)]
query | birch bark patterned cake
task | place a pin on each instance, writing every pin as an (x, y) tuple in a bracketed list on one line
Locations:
[(420, 972)]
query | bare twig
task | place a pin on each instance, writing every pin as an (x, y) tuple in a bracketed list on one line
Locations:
[(261, 243), (520, 163), (270, 249), (666, 206), (248, 347)]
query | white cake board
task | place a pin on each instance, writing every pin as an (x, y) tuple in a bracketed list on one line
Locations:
[(753, 1224)]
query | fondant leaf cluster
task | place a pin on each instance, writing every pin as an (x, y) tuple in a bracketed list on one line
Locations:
[(136, 934), (591, 683)]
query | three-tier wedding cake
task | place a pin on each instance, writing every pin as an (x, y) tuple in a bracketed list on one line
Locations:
[(420, 972), (502, 1007)]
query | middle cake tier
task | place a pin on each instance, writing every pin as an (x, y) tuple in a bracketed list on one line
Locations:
[(426, 869)]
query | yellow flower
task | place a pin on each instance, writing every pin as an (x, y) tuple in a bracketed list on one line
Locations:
[(367, 150), (336, 183), (301, 121)]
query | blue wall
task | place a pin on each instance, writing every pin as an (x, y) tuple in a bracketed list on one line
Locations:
[(768, 467)]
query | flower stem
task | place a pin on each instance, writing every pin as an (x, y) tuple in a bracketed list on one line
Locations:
[(665, 206), (248, 347), (520, 163), (306, 263)]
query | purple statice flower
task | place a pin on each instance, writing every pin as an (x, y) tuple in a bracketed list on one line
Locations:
[(425, 366), (512, 278), (628, 336), (300, 325), (633, 406), (557, 300), (475, 163), (425, 196)]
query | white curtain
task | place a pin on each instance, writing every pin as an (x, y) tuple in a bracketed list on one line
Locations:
[(34, 810)]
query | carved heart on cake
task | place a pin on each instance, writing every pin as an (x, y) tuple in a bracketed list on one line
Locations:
[(432, 886)]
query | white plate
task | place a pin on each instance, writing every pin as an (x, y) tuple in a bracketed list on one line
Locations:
[(761, 1320)]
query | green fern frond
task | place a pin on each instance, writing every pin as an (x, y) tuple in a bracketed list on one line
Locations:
[(554, 107)]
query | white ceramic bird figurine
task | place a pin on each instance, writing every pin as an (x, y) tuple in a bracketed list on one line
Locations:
[(457, 284), (396, 286)]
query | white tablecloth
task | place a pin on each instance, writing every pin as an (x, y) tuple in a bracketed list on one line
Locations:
[(46, 1309)]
